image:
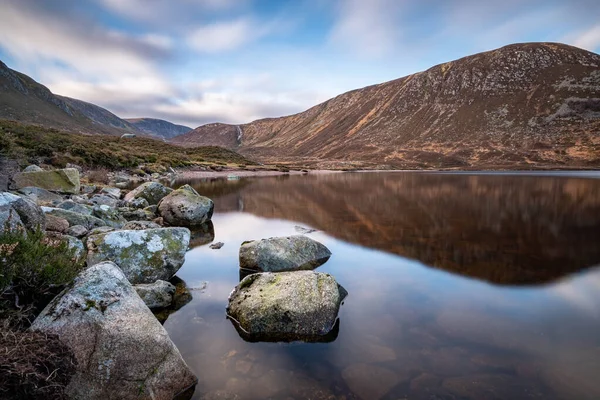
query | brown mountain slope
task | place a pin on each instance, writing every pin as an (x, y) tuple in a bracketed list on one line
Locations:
[(523, 105)]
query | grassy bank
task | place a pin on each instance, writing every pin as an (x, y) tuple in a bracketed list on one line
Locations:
[(30, 144)]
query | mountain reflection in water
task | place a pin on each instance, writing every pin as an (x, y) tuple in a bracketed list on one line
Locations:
[(504, 229), (408, 330)]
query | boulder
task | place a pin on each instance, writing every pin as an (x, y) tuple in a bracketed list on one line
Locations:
[(185, 207), (140, 202), (32, 168), (144, 255), (156, 295), (102, 200), (88, 189), (122, 351), (41, 196), (112, 192), (109, 215), (56, 224), (153, 192), (29, 212), (286, 306), (88, 221), (283, 254), (77, 231), (140, 225), (10, 220), (71, 205), (61, 180), (134, 214), (72, 243)]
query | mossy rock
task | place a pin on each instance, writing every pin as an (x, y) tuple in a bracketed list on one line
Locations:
[(60, 180)]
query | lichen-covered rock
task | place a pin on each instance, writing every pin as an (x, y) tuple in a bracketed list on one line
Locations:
[(185, 207), (71, 205), (41, 196), (140, 203), (88, 221), (301, 305), (32, 168), (122, 351), (109, 215), (88, 189), (10, 220), (30, 213), (153, 192), (56, 224), (61, 180), (156, 295), (77, 231), (101, 229), (140, 225), (134, 214), (145, 256), (112, 192), (102, 200), (278, 254)]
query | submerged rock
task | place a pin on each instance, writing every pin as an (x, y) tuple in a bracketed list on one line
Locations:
[(153, 192), (61, 180), (29, 212), (156, 295), (185, 207), (286, 306), (145, 256), (283, 254), (122, 351), (74, 218)]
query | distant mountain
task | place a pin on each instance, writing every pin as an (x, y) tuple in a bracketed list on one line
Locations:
[(25, 100), (158, 127), (532, 105)]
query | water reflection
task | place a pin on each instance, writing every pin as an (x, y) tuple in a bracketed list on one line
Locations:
[(502, 229), (409, 330), (286, 338), (203, 234)]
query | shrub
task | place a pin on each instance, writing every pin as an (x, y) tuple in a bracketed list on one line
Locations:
[(99, 176), (33, 365), (33, 269)]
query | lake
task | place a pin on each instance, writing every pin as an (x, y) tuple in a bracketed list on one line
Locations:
[(461, 286)]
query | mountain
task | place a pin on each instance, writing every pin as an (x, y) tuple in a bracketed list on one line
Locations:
[(25, 100), (158, 127), (531, 105)]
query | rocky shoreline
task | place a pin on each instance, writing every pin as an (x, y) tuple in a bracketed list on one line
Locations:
[(129, 245)]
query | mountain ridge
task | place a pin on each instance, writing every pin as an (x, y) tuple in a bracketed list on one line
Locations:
[(526, 105)]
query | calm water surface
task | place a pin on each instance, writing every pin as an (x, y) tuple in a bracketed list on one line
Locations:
[(460, 287)]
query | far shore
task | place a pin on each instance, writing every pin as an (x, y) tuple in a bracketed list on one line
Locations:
[(193, 174)]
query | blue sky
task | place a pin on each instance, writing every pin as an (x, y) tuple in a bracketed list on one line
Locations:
[(234, 61)]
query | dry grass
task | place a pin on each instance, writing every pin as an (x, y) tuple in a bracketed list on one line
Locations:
[(99, 175), (33, 365)]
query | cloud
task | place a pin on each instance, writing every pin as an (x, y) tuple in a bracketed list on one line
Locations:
[(227, 35), (589, 39)]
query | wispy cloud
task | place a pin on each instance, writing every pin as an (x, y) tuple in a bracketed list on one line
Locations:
[(227, 35), (588, 39)]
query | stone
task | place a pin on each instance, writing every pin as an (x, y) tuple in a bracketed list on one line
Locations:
[(10, 220), (71, 205), (29, 212), (369, 382), (88, 221), (133, 214), (32, 168), (72, 243), (145, 256), (56, 224), (109, 215), (122, 185), (77, 231), (283, 254), (286, 306), (140, 202), (217, 246), (41, 196), (140, 225), (88, 189), (100, 200), (61, 180), (185, 207), (101, 229), (122, 351), (77, 167), (156, 295), (153, 192)]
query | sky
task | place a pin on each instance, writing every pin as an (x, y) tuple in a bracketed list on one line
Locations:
[(201, 61)]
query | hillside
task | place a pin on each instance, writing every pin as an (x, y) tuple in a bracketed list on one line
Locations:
[(532, 105), (158, 127), (24, 100)]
